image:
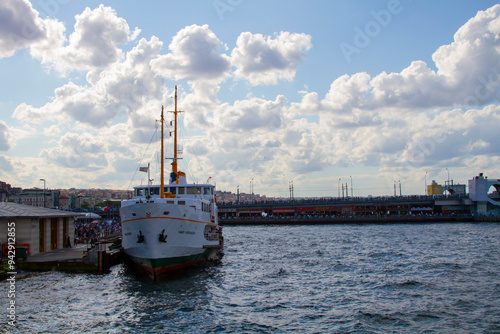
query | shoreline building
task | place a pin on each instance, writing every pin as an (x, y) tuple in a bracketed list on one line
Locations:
[(37, 197), (449, 188), (37, 228)]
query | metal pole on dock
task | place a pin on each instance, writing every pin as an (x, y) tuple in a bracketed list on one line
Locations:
[(339, 187), (99, 260), (352, 194)]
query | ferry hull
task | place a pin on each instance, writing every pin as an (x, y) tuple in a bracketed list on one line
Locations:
[(157, 268), (160, 243)]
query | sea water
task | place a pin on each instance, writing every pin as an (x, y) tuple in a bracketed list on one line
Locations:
[(397, 278)]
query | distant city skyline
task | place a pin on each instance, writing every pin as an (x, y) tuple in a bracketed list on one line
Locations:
[(319, 94)]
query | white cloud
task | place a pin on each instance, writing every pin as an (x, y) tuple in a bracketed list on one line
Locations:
[(201, 103), (347, 92), (76, 151), (20, 26), (5, 165), (124, 86), (52, 131), (4, 137), (416, 86), (92, 45), (474, 51), (195, 56), (248, 115), (468, 71), (266, 60)]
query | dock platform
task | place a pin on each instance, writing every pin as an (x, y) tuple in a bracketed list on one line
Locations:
[(79, 258)]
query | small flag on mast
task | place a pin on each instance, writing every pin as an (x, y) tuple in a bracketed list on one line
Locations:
[(143, 169)]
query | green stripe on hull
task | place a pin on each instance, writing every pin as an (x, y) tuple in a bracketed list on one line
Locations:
[(166, 262)]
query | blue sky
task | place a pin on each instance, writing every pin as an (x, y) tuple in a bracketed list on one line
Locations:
[(316, 93)]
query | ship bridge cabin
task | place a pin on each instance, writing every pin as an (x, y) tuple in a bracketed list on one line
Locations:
[(200, 196), (177, 191)]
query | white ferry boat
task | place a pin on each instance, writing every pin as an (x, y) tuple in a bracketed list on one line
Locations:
[(168, 227)]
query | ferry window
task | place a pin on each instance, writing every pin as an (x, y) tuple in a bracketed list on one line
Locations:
[(172, 190), (182, 191), (194, 190), (181, 202), (170, 202), (206, 191), (139, 192), (155, 191)]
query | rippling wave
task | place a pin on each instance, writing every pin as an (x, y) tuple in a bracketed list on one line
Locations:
[(310, 279)]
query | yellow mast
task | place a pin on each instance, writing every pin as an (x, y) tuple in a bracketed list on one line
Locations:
[(162, 186), (174, 163)]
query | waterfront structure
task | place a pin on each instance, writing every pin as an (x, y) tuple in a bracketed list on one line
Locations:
[(38, 228), (349, 207), (485, 202), (452, 199)]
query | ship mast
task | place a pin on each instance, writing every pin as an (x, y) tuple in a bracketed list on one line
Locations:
[(174, 163), (162, 185)]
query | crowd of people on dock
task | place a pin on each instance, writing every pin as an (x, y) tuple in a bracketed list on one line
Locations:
[(89, 231)]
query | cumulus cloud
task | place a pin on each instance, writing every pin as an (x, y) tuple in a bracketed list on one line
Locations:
[(194, 56), (5, 165), (474, 51), (468, 75), (468, 71), (20, 26), (406, 122), (248, 115), (266, 60), (4, 137), (76, 151), (92, 45), (128, 86), (346, 93)]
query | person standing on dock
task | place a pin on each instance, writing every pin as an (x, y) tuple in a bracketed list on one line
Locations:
[(68, 242)]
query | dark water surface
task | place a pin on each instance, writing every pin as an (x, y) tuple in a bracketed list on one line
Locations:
[(437, 278)]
